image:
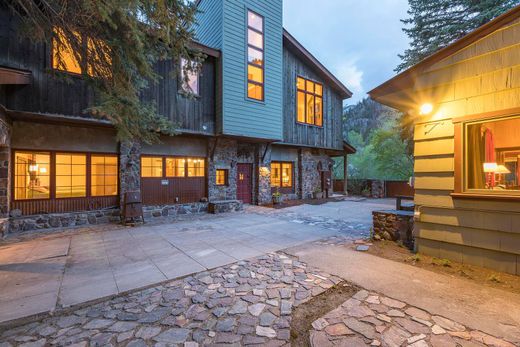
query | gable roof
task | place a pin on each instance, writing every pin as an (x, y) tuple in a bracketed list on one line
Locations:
[(291, 43), (406, 78)]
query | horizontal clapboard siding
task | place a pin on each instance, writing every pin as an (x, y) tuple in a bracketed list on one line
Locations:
[(208, 28)]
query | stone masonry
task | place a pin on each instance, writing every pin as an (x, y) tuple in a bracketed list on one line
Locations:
[(311, 179), (129, 168), (394, 225)]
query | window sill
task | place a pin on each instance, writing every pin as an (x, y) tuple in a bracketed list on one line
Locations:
[(482, 196), (310, 125)]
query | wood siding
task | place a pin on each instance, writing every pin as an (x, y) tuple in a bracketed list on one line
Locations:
[(483, 77), (330, 134), (70, 95)]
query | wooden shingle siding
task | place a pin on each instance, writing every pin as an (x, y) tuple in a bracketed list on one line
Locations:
[(328, 136)]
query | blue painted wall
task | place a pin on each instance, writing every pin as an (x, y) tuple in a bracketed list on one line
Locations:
[(239, 115)]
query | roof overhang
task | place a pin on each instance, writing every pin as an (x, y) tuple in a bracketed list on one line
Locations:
[(407, 78), (14, 76), (197, 46), (292, 44)]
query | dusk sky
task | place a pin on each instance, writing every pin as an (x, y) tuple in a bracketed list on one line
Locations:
[(358, 41)]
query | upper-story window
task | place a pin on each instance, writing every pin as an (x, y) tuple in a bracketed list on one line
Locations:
[(64, 58), (309, 104), (189, 79), (255, 56)]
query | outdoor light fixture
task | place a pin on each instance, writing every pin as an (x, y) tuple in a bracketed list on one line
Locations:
[(426, 109)]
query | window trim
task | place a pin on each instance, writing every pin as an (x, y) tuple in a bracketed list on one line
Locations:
[(460, 158), (226, 178), (164, 157), (281, 187), (52, 174), (262, 84), (314, 95)]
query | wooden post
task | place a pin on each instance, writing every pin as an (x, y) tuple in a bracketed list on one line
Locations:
[(345, 173)]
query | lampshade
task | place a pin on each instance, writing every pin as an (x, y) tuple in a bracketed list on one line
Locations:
[(490, 167), (501, 169)]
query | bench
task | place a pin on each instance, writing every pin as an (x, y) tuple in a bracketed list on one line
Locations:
[(221, 206)]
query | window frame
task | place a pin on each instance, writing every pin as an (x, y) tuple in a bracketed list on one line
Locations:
[(226, 177), (52, 174), (314, 95), (281, 186), (460, 180), (164, 157), (262, 50)]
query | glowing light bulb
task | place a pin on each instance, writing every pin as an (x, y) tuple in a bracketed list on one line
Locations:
[(426, 109)]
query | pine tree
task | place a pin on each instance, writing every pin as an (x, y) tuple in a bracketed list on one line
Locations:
[(435, 24), (117, 42)]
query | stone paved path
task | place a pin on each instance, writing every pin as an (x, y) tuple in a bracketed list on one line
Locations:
[(249, 302), (372, 319)]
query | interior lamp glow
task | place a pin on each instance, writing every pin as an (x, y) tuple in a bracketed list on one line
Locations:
[(490, 167), (426, 109), (501, 169)]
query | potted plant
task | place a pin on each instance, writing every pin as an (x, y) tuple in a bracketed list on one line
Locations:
[(317, 194), (366, 192), (277, 197)]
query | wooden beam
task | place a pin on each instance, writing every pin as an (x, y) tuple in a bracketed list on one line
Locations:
[(14, 76)]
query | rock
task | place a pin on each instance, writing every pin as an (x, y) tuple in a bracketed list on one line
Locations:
[(39, 343), (395, 313), (320, 324), (373, 299), (422, 343), (68, 321), (285, 293), (489, 340), (207, 280), (98, 323), (394, 336), (338, 330), (437, 330), (364, 329), (285, 307), (444, 340), (362, 248), (272, 302), (253, 340), (227, 338), (392, 303), (155, 315), (126, 316), (238, 308), (448, 324), (319, 339), (417, 313), (256, 309), (191, 344), (460, 334), (384, 318), (416, 338), (267, 319), (412, 327), (226, 325), (361, 295), (258, 292), (423, 322), (265, 331), (136, 343), (125, 336), (375, 343), (174, 335), (46, 331), (359, 311), (219, 312), (147, 332)]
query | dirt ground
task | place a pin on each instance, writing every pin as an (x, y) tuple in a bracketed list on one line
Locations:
[(298, 202), (305, 314), (487, 277)]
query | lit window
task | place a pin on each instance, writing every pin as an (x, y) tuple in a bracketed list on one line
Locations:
[(196, 167), (151, 167), (69, 60), (281, 174), (255, 54), (492, 161), (190, 79), (221, 177), (71, 175), (309, 104), (175, 167), (32, 175), (103, 175)]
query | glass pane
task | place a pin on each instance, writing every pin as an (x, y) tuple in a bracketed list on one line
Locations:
[(310, 109), (255, 21), (275, 174), (493, 155), (146, 171), (255, 39), (175, 167), (151, 167), (146, 161), (71, 175), (255, 91), (63, 169), (300, 83), (196, 167), (79, 159), (255, 74), (221, 177), (287, 175), (255, 56), (301, 107), (319, 111), (97, 180), (192, 84), (310, 86), (103, 172), (32, 180), (318, 89), (65, 52)]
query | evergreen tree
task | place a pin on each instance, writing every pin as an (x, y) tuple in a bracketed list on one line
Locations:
[(433, 25), (117, 43)]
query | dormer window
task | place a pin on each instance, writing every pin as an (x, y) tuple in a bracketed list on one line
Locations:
[(189, 79), (255, 56)]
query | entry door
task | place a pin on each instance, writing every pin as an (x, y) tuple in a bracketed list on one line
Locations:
[(244, 184)]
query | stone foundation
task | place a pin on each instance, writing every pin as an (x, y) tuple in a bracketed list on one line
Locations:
[(311, 160), (216, 207), (393, 225)]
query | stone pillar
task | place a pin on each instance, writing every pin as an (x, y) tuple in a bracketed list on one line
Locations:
[(345, 173), (222, 154), (263, 181), (129, 168)]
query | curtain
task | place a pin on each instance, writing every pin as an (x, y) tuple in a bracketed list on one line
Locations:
[(490, 153), (476, 156)]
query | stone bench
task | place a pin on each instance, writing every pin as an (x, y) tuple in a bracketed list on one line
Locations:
[(393, 225), (221, 206)]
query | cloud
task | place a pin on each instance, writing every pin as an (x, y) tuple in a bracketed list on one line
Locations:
[(352, 77)]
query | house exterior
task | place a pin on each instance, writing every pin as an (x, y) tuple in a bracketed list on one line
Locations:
[(266, 117), (465, 104)]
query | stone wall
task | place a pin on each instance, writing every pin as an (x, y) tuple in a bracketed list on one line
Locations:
[(311, 179), (129, 168), (5, 170), (393, 225), (263, 179), (224, 157)]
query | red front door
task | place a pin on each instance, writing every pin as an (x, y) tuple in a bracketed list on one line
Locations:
[(244, 184)]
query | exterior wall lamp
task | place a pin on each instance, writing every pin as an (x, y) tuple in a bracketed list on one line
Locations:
[(426, 109)]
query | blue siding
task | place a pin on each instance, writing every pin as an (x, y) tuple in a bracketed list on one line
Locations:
[(209, 23)]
